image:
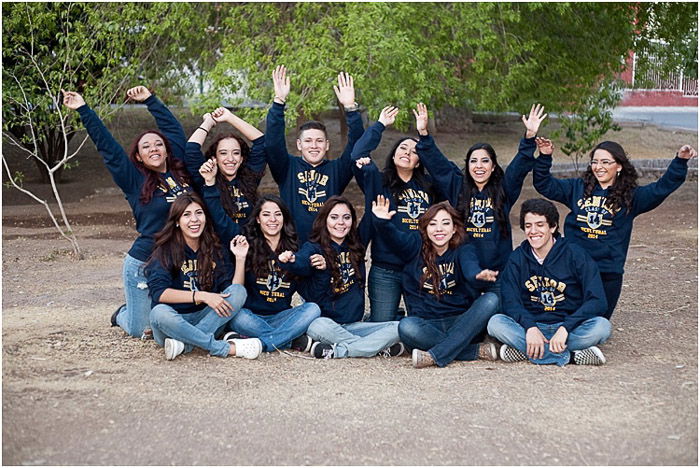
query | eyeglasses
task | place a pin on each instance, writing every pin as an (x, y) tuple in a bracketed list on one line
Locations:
[(604, 163)]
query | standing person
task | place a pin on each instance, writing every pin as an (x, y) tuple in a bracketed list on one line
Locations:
[(553, 296), (306, 182), (194, 289), (605, 202), (447, 315), (409, 191), (333, 262), (482, 192), (240, 168), (151, 175)]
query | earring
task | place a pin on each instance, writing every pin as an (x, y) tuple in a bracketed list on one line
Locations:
[(177, 224), (618, 173)]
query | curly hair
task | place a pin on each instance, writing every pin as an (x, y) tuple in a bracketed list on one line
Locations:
[(493, 188), (170, 243), (428, 251), (153, 180), (621, 192), (260, 253), (542, 207), (320, 235), (393, 182), (248, 180)]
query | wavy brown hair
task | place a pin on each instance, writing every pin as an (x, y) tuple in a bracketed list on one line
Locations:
[(428, 252), (320, 235), (153, 180), (248, 180), (621, 192), (170, 243), (259, 252)]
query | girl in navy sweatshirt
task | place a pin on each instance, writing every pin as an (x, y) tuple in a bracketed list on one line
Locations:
[(605, 202), (446, 312), (482, 192), (333, 262), (409, 190), (190, 278), (240, 168), (152, 176)]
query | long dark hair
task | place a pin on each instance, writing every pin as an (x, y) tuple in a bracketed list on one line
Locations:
[(170, 243), (259, 252), (428, 252), (493, 189), (622, 190), (320, 235), (391, 178), (176, 167), (247, 179)]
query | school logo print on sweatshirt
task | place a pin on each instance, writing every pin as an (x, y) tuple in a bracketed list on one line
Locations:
[(480, 215), (312, 188), (548, 292), (412, 203), (347, 274), (172, 189), (273, 283), (447, 279), (189, 269), (239, 200), (596, 215)]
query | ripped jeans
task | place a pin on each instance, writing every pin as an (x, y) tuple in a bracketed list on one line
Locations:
[(133, 317)]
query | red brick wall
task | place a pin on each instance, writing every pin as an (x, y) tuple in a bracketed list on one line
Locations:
[(634, 97)]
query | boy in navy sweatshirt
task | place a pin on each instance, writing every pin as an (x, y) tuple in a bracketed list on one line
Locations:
[(306, 182), (553, 296)]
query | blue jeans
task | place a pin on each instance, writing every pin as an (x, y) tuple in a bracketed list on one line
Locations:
[(450, 338), (593, 331), (384, 288), (495, 288), (358, 339), (133, 317), (276, 331), (198, 328)]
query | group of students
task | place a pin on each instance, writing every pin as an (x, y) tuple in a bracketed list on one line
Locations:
[(216, 264)]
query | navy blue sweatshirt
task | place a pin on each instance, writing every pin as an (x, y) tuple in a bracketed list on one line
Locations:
[(185, 278), (413, 200), (603, 233), (303, 187), (481, 225), (344, 302), (150, 218), (458, 268), (255, 162), (565, 288)]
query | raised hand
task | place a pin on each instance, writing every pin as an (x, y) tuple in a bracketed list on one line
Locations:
[(222, 114), (280, 80), (487, 275), (388, 115), (208, 171), (421, 113), (687, 152), (318, 261), (362, 162), (533, 121), (544, 145), (138, 93), (72, 100), (239, 246), (345, 91), (380, 208), (287, 257)]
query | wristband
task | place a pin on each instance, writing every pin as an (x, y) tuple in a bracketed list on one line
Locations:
[(202, 128), (283, 100), (352, 108)]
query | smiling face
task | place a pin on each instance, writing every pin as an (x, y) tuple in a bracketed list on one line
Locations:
[(339, 222), (604, 167), (229, 157), (539, 233), (440, 230), (271, 219), (192, 222), (480, 167), (405, 156), (313, 145), (152, 152)]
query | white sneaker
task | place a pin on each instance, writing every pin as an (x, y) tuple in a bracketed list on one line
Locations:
[(173, 348), (249, 348)]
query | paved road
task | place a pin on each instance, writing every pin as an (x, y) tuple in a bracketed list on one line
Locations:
[(685, 118)]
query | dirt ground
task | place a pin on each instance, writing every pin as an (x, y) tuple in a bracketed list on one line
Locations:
[(76, 391)]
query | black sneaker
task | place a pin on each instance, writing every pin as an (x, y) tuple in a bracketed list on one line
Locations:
[(322, 350), (394, 350), (302, 343), (592, 356), (510, 354), (113, 319)]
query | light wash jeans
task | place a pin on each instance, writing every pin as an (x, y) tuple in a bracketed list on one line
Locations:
[(133, 316), (276, 331), (384, 289), (450, 338), (198, 328), (358, 339), (593, 331)]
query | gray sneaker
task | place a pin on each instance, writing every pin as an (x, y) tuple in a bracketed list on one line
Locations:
[(422, 359), (173, 348), (592, 356), (488, 352), (510, 354)]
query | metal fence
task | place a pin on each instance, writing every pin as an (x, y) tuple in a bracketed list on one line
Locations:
[(652, 78)]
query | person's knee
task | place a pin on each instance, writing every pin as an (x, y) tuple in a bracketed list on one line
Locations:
[(237, 296), (496, 324), (160, 314), (311, 310), (318, 325), (601, 329), (408, 328), (489, 303)]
